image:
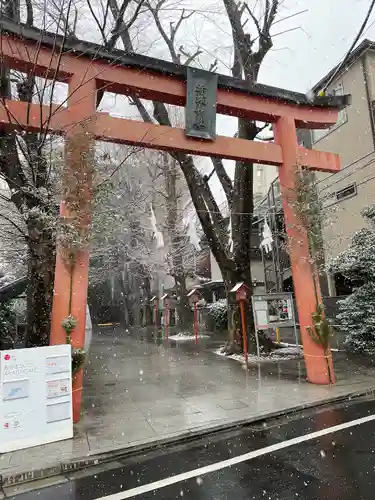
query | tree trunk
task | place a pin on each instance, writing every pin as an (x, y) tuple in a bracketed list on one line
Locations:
[(41, 272)]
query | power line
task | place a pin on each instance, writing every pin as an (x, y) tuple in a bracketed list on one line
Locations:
[(360, 32), (339, 201), (344, 168), (326, 197)]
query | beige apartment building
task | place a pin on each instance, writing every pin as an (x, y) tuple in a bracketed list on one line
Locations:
[(344, 195), (263, 177)]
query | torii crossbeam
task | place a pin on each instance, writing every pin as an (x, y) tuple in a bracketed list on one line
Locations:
[(88, 68)]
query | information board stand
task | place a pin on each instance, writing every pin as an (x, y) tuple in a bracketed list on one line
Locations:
[(273, 310), (35, 396)]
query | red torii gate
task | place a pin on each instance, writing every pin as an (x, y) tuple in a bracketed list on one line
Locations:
[(88, 68)]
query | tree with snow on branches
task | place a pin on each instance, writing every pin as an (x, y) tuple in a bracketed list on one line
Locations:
[(356, 316)]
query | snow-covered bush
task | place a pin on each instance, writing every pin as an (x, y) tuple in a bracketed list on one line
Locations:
[(217, 315), (356, 316)]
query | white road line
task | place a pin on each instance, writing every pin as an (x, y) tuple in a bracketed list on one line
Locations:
[(157, 485)]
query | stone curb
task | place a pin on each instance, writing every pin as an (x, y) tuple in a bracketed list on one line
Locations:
[(66, 467)]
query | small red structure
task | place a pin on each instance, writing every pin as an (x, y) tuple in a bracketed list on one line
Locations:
[(242, 297), (155, 302), (166, 299), (242, 292), (194, 297)]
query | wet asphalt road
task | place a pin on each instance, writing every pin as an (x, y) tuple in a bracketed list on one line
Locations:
[(336, 466)]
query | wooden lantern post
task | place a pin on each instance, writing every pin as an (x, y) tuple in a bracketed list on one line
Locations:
[(242, 297), (194, 297), (165, 298)]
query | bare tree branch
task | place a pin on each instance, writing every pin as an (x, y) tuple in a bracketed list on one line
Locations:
[(145, 115), (255, 20), (21, 231), (190, 57), (120, 24), (100, 26), (30, 13), (168, 40), (57, 14), (224, 178), (245, 55), (171, 38), (213, 66)]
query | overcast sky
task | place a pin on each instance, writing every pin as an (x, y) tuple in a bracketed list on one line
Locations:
[(300, 58)]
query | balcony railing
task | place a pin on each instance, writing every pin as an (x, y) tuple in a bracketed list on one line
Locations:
[(277, 263)]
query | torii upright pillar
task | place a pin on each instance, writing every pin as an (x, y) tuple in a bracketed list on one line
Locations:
[(82, 104), (303, 279)]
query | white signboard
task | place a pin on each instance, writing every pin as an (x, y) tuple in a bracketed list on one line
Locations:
[(260, 308), (290, 309), (35, 397)]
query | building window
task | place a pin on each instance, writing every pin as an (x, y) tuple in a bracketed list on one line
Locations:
[(347, 192), (342, 117)]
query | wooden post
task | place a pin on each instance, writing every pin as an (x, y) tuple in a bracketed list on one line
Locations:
[(241, 291)]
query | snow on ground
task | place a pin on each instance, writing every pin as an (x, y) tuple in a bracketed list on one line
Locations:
[(286, 351), (274, 357), (183, 337), (285, 344)]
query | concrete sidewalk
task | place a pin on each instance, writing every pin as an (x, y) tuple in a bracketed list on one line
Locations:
[(139, 392)]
